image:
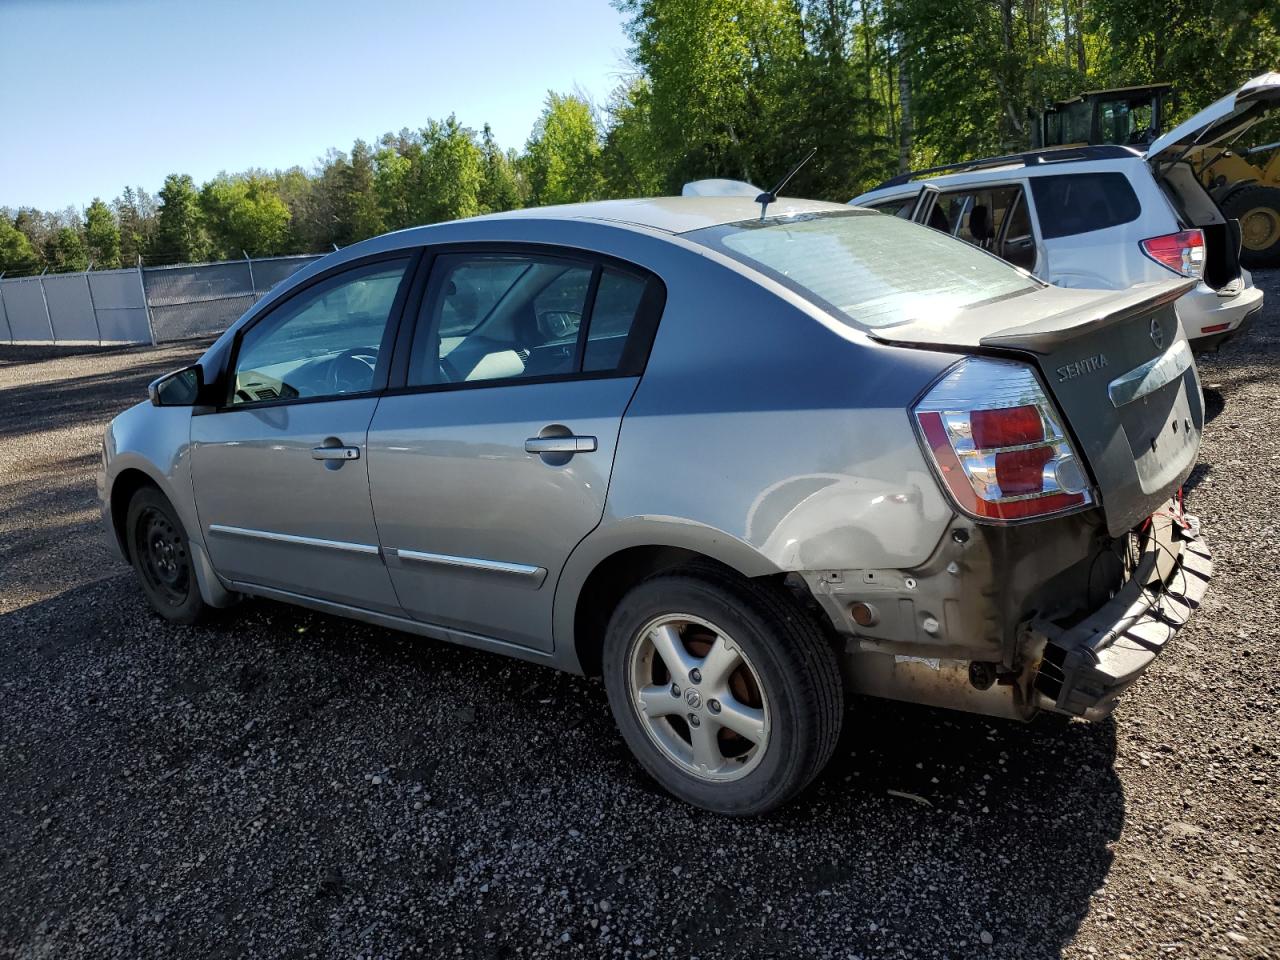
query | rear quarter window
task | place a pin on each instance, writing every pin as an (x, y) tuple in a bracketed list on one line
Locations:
[(1073, 203)]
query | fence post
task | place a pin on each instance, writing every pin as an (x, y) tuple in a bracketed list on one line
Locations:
[(253, 287), (4, 311), (88, 287), (146, 304), (53, 337)]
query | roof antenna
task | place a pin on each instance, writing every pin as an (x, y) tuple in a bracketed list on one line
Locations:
[(769, 196)]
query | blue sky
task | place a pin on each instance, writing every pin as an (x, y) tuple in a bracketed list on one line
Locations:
[(101, 93)]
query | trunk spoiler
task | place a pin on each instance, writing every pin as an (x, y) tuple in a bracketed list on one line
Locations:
[(1039, 322), (1054, 332)]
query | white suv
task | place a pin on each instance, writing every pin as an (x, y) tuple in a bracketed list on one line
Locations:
[(1104, 216)]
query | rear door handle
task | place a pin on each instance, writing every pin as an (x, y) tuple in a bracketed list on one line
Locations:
[(335, 453), (559, 444)]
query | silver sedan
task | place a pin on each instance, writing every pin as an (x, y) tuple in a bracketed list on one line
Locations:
[(741, 460)]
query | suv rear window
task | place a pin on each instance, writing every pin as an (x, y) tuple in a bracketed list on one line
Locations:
[(874, 270), (1074, 203)]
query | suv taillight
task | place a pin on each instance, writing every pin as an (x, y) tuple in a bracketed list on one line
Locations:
[(1181, 252), (998, 443)]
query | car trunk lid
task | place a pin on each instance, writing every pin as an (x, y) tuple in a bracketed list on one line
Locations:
[(1117, 365), (1219, 123)]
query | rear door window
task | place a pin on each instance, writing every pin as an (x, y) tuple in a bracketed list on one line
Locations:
[(1069, 204), (502, 317), (975, 216), (1017, 242)]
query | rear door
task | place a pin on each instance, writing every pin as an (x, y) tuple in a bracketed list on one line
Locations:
[(491, 459)]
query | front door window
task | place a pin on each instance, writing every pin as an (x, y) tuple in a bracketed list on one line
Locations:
[(324, 342)]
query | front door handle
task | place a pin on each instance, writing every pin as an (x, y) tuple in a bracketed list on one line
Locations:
[(560, 444), (335, 453)]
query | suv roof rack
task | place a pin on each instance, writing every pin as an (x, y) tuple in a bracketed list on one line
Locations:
[(1108, 151)]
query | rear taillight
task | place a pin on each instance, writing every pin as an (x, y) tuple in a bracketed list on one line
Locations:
[(998, 443), (1181, 252)]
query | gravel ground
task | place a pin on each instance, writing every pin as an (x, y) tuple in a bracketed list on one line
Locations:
[(283, 784)]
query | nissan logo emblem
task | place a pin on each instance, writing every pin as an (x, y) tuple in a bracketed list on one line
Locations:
[(1157, 335)]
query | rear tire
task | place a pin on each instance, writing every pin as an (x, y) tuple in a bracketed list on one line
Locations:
[(161, 556), (1258, 210), (725, 689)]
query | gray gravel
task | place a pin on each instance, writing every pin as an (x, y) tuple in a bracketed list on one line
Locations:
[(283, 784)]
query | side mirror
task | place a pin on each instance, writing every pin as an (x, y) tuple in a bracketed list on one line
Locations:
[(181, 388)]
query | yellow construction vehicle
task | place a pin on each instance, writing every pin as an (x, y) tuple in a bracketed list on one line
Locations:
[(1244, 183), (1249, 193)]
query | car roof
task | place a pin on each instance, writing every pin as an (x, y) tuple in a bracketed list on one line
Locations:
[(1003, 173), (673, 215)]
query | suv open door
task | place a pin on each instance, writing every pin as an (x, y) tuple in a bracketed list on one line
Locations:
[(1219, 123)]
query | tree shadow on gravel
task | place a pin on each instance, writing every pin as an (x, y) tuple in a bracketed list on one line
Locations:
[(90, 398), (332, 786)]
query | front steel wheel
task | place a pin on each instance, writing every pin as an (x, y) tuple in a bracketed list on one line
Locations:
[(725, 689), (161, 557)]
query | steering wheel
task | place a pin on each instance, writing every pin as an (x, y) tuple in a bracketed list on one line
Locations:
[(351, 371)]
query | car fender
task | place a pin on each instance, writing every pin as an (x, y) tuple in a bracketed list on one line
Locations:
[(155, 441), (617, 534)]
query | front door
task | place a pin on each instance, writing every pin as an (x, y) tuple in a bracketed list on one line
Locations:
[(281, 469), (492, 462)]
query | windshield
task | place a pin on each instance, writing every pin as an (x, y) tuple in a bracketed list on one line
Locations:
[(872, 270)]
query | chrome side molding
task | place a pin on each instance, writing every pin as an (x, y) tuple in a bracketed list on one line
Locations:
[(534, 575), (369, 548), (1150, 376)]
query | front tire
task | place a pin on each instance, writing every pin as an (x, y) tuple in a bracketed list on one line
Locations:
[(725, 689), (161, 557)]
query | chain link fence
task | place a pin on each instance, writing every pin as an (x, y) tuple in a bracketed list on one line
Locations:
[(142, 305)]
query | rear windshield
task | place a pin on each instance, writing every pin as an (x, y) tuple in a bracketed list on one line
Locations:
[(874, 270), (1072, 203)]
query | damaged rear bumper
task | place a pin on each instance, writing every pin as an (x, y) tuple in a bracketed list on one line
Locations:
[(1083, 668)]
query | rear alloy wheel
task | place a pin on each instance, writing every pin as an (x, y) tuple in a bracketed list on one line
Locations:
[(160, 555), (1258, 210), (698, 697), (725, 689)]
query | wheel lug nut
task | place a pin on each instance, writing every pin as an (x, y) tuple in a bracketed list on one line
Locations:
[(675, 690), (693, 720), (713, 706), (695, 675)]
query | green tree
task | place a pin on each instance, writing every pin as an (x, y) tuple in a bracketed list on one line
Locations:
[(719, 72), (1205, 49), (40, 229), (394, 163), (17, 256), (631, 163), (563, 153), (180, 233), (245, 215), (448, 173), (501, 187), (70, 255), (136, 214), (102, 236), (360, 210)]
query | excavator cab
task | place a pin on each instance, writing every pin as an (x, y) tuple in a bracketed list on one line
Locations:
[(1128, 116)]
